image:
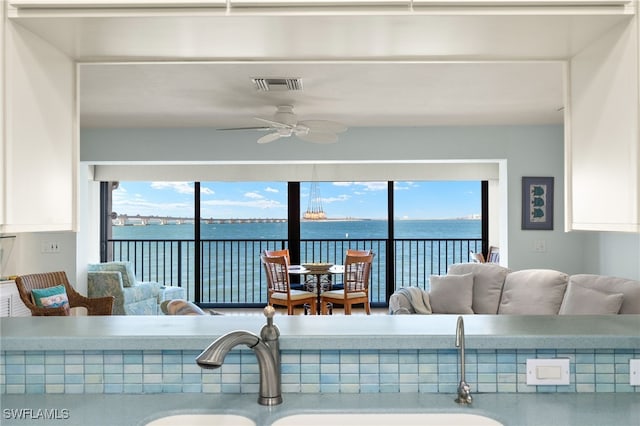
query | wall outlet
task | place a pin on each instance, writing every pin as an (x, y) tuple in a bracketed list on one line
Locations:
[(539, 246), (50, 247), (634, 372), (553, 371)]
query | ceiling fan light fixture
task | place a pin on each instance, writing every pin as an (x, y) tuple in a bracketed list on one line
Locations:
[(285, 124), (277, 84)]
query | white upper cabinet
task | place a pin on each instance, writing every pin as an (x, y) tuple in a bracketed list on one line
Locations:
[(39, 150), (603, 138)]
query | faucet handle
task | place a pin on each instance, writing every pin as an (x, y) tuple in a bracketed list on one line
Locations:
[(269, 311), (269, 332)]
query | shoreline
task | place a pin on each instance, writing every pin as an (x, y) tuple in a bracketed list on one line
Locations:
[(232, 221)]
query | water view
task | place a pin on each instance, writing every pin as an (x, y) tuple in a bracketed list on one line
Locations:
[(230, 270), (330, 229)]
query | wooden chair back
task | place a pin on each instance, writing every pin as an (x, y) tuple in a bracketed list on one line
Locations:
[(275, 253), (357, 270), (277, 271), (279, 290), (355, 252)]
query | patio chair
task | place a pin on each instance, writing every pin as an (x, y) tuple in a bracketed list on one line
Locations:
[(357, 270), (279, 289)]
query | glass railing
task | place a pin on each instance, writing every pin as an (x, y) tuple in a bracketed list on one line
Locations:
[(231, 273)]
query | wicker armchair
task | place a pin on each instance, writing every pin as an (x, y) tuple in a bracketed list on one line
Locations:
[(26, 283)]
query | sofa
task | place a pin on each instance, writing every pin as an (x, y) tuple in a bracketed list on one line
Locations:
[(484, 288), (132, 297)]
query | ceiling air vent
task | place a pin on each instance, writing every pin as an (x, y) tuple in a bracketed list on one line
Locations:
[(277, 84)]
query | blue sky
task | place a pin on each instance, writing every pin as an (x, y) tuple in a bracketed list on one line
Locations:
[(413, 200)]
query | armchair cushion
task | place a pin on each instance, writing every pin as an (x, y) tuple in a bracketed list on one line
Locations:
[(125, 268)]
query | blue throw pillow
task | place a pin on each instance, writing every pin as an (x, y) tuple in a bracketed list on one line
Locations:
[(51, 297)]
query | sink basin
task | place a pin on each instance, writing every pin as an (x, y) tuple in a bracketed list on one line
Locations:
[(202, 420), (387, 419)]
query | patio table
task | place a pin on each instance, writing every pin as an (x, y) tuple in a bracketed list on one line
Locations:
[(319, 286)]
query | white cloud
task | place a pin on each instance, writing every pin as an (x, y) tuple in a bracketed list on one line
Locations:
[(262, 203), (373, 186), (137, 204), (337, 199), (179, 187), (367, 186), (253, 195), (270, 189), (404, 186)]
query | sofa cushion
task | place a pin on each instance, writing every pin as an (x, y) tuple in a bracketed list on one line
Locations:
[(125, 269), (451, 294), (629, 288), (488, 279), (580, 300), (533, 292)]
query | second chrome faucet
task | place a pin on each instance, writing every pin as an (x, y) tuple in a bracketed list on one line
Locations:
[(464, 390)]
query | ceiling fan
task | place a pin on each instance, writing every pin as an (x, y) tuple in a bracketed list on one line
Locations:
[(285, 123)]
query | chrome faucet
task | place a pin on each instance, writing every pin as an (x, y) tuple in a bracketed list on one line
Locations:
[(464, 390), (267, 350)]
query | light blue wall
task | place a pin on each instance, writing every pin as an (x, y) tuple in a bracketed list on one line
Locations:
[(528, 151)]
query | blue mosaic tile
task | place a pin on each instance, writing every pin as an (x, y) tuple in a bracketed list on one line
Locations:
[(346, 371)]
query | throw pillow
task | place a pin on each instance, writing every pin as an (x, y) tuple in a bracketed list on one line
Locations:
[(50, 297), (630, 289), (587, 301), (451, 294), (533, 292), (488, 279)]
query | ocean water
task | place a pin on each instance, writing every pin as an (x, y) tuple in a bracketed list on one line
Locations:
[(338, 229), (230, 270)]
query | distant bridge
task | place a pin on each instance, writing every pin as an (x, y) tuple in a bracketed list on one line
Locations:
[(126, 220)]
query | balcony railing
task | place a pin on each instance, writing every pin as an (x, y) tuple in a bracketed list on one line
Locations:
[(231, 272)]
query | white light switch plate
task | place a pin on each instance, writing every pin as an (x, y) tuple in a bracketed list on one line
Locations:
[(553, 371), (634, 372)]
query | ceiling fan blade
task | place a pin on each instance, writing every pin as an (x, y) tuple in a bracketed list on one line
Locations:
[(274, 124), (318, 137), (269, 138), (262, 128), (324, 126)]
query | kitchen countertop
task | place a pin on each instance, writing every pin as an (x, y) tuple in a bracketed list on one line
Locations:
[(328, 332), (510, 409)]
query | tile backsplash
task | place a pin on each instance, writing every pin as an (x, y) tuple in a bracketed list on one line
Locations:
[(307, 371)]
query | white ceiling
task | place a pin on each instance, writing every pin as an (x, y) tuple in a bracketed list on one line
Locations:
[(356, 94), (362, 67)]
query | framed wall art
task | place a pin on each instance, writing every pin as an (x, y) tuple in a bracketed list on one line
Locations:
[(537, 203)]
